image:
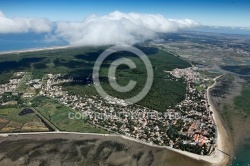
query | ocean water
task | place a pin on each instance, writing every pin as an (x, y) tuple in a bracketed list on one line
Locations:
[(242, 155), (14, 42)]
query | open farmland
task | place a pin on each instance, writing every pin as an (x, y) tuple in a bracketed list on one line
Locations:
[(12, 121), (57, 114)]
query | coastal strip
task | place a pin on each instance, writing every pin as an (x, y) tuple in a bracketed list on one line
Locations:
[(216, 158), (37, 50)]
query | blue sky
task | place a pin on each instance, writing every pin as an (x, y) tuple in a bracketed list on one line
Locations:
[(207, 12)]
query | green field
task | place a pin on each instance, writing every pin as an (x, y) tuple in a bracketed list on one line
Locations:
[(51, 110), (57, 114), (22, 86), (10, 121), (12, 114), (210, 75)]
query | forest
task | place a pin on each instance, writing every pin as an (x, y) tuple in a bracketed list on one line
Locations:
[(77, 62)]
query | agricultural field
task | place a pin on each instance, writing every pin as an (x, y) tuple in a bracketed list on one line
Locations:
[(57, 114), (12, 121), (22, 86)]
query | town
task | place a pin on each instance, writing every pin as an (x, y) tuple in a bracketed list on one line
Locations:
[(188, 126)]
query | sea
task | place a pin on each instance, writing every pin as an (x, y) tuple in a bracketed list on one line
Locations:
[(242, 155), (25, 41)]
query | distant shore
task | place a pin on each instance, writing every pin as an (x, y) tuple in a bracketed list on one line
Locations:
[(37, 49)]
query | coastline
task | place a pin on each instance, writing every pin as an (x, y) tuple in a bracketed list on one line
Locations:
[(216, 158), (223, 142), (213, 160), (37, 49)]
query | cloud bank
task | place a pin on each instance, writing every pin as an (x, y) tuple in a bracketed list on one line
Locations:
[(113, 28), (22, 25)]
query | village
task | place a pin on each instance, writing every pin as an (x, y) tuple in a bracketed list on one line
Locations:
[(188, 126)]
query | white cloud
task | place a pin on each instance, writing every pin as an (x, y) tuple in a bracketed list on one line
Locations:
[(113, 28), (119, 28), (20, 25)]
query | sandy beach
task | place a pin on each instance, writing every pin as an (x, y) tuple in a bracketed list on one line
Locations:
[(223, 142), (217, 158), (37, 49), (212, 160)]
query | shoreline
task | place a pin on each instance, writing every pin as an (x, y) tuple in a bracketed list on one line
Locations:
[(185, 153), (222, 142), (215, 158), (37, 49)]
